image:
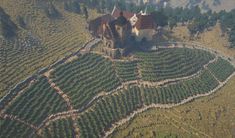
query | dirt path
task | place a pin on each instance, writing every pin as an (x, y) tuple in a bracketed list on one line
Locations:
[(75, 112), (66, 99), (15, 118), (123, 121), (12, 100)]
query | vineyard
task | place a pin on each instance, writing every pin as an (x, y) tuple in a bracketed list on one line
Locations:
[(60, 129), (86, 77), (57, 39), (94, 94), (222, 69), (172, 63), (36, 103), (127, 71)]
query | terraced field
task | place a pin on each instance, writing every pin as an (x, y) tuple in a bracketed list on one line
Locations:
[(92, 95), (57, 39)]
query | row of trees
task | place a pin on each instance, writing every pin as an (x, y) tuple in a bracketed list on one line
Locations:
[(196, 21), (227, 20), (71, 6)]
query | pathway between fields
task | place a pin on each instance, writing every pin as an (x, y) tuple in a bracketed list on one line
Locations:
[(66, 99), (132, 115), (15, 118), (76, 112)]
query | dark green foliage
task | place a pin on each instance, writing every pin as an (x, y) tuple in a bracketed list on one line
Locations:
[(109, 110), (7, 26), (85, 12), (160, 18), (14, 129), (172, 23), (59, 129), (86, 77), (222, 69), (72, 6), (52, 12), (171, 63), (37, 102), (21, 21), (227, 20), (175, 93), (127, 71)]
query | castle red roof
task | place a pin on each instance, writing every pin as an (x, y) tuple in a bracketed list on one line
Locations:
[(145, 22)]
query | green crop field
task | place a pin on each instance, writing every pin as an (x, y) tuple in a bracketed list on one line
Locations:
[(57, 38), (93, 96)]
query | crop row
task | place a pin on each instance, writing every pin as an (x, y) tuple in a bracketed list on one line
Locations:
[(59, 129), (37, 102), (127, 71), (13, 129), (109, 110), (175, 93), (84, 78), (113, 108), (172, 63), (222, 69)]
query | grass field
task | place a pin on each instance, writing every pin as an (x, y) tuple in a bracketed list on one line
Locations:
[(211, 39)]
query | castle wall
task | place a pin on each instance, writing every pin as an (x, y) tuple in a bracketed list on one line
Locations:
[(144, 33)]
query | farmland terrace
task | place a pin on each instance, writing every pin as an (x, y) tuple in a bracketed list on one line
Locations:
[(90, 95)]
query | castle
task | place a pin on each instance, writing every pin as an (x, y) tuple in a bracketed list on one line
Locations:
[(119, 28)]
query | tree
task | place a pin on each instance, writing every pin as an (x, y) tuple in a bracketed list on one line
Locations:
[(21, 21), (193, 28), (160, 18), (172, 23), (102, 5), (85, 12), (72, 6), (52, 12)]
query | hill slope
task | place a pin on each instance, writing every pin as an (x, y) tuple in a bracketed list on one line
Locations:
[(43, 41), (215, 5)]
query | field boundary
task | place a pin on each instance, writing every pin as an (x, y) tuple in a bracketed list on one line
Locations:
[(163, 106)]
